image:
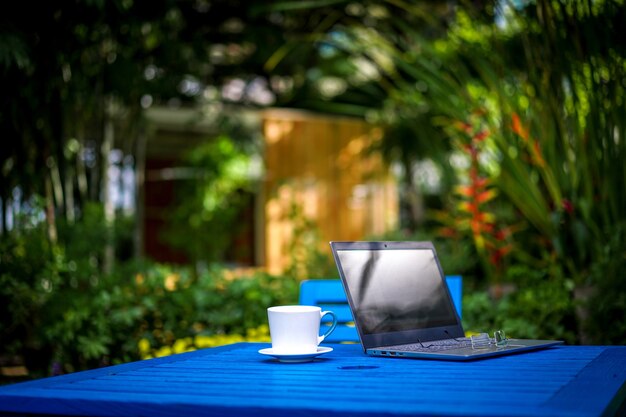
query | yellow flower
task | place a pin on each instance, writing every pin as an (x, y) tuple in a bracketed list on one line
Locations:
[(144, 346), (180, 346), (139, 279), (202, 341), (260, 334), (171, 281), (164, 351)]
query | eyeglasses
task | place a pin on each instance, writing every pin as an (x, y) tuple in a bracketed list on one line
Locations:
[(483, 341)]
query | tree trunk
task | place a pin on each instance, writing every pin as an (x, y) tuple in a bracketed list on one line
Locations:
[(81, 172), (50, 217), (70, 212), (109, 207), (57, 186), (5, 206), (414, 197), (140, 173)]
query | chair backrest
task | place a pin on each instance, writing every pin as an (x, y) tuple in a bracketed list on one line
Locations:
[(329, 295)]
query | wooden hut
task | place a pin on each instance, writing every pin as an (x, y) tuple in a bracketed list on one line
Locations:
[(321, 166)]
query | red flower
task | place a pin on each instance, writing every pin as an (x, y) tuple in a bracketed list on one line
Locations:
[(567, 206), (480, 136)]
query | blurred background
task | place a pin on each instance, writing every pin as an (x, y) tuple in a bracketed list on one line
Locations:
[(171, 168)]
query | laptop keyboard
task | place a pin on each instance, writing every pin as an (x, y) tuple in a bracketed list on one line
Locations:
[(432, 346)]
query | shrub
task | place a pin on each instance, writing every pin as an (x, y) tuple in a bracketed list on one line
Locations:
[(536, 307), (62, 310)]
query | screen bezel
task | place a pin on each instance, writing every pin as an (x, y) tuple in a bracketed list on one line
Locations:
[(399, 337)]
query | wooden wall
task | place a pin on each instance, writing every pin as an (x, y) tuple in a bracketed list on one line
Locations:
[(325, 166)]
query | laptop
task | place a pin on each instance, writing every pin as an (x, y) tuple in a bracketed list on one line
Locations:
[(402, 306)]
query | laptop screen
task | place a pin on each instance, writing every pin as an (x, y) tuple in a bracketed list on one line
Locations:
[(396, 289)]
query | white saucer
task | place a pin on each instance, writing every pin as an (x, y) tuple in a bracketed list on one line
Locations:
[(296, 357)]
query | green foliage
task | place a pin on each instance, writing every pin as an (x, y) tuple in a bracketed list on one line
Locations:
[(210, 200), (28, 275), (555, 124), (540, 86), (547, 86), (538, 308), (57, 306), (607, 303), (306, 259)]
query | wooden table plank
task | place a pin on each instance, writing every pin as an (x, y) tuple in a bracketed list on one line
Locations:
[(599, 382), (236, 380)]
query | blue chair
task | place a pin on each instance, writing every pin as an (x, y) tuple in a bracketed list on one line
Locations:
[(329, 295)]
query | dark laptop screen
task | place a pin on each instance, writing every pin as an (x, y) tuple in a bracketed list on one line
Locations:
[(396, 289)]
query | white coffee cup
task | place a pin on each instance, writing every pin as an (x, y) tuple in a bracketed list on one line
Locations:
[(295, 329)]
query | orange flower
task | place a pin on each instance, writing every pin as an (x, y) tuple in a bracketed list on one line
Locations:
[(518, 128), (485, 196), (468, 207), (476, 227), (465, 190), (465, 127), (536, 150)]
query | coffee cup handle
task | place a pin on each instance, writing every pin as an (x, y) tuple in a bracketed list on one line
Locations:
[(332, 326)]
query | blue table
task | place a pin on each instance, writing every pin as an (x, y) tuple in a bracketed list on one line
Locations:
[(236, 380)]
